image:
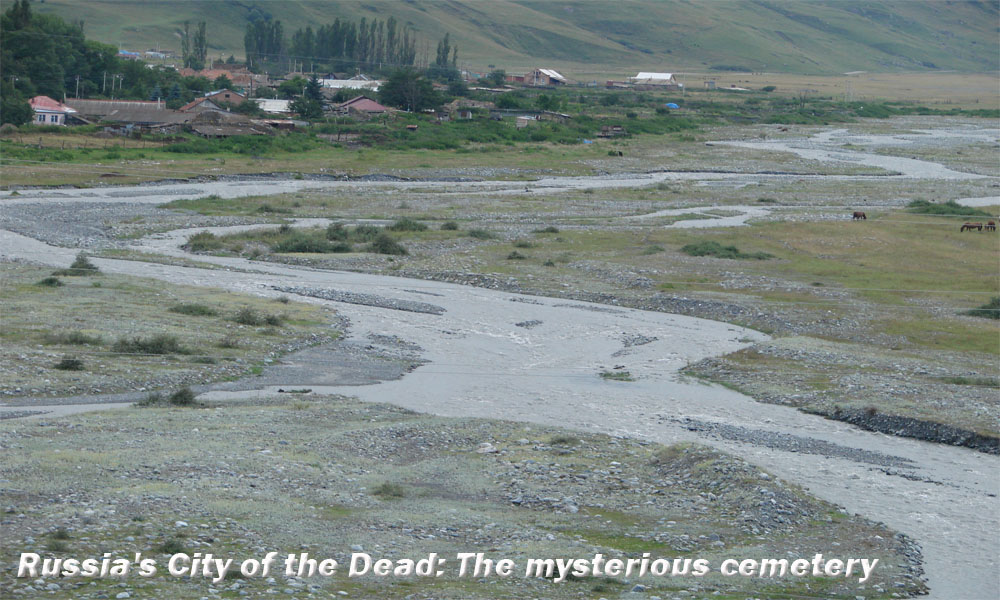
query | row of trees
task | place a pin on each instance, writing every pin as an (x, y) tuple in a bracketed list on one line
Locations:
[(344, 45), (194, 50)]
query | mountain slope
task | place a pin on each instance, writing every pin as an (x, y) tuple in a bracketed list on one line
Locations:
[(829, 36)]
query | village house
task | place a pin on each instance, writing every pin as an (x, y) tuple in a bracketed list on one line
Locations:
[(358, 82), (361, 106), (199, 105), (274, 105), (648, 80), (49, 111), (226, 96)]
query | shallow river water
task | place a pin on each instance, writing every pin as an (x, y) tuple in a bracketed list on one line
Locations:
[(482, 364)]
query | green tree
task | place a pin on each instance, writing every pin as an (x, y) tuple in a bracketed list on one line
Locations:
[(222, 82), (497, 77), (314, 90), (307, 108), (409, 90), (13, 107), (292, 88)]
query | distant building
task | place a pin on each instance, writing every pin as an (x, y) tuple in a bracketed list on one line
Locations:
[(226, 96), (199, 105), (654, 79), (49, 111), (358, 82), (96, 109), (275, 105), (545, 77), (361, 105)]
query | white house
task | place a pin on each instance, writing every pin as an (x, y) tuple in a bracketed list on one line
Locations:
[(646, 78), (270, 105), (49, 111)]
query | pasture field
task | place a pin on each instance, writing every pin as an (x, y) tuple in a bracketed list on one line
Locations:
[(186, 336)]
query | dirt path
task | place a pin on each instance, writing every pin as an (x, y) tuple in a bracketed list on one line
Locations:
[(499, 355)]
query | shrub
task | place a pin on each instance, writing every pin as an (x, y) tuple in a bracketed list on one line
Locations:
[(299, 242), (366, 233), (255, 318), (157, 344), (449, 226), (193, 310), (564, 440), (203, 242), (74, 338), (523, 244), (151, 399), (336, 232), (717, 250), (549, 263), (69, 363), (384, 244), (617, 376), (990, 310), (407, 224), (654, 249), (50, 282), (481, 234), (768, 88), (389, 490), (268, 209), (549, 229), (80, 266), (229, 342), (182, 397), (515, 255), (171, 546)]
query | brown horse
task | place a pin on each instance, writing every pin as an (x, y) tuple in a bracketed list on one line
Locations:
[(991, 226), (971, 226), (859, 216)]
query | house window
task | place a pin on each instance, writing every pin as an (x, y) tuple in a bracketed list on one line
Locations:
[(53, 118), (41, 118)]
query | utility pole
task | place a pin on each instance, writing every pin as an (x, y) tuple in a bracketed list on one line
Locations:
[(104, 83), (77, 86)]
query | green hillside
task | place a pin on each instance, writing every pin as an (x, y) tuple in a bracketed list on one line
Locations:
[(589, 37)]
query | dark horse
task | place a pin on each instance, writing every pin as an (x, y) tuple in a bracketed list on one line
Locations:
[(971, 226), (991, 226), (859, 216)]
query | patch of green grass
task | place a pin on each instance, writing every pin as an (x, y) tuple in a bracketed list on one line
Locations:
[(945, 209), (990, 310), (407, 224), (717, 250), (156, 344), (74, 338), (617, 376), (194, 310), (482, 234), (50, 282), (389, 490), (990, 382)]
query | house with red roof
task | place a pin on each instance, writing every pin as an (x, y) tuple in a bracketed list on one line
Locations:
[(361, 105), (49, 111)]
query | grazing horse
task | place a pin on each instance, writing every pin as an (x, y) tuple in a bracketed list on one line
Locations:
[(859, 216), (991, 226), (971, 226)]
